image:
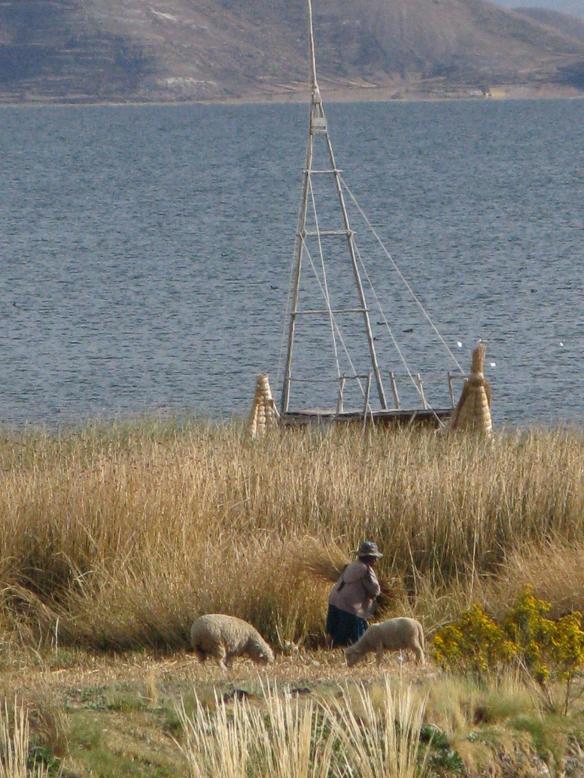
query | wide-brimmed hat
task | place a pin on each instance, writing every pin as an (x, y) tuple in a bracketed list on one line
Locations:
[(368, 548)]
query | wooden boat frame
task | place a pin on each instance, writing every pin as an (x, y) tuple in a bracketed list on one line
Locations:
[(426, 414)]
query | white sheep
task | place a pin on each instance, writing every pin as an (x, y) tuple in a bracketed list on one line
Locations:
[(225, 637), (393, 635)]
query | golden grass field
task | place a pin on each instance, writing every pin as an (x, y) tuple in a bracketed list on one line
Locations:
[(114, 537)]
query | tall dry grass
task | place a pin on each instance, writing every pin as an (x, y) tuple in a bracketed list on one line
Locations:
[(380, 738), (117, 536), (373, 735), (553, 569), (15, 744)]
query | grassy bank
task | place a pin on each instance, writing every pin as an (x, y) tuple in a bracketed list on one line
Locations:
[(140, 716), (113, 538), (117, 536)]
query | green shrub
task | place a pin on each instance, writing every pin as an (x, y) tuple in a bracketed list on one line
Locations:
[(550, 651)]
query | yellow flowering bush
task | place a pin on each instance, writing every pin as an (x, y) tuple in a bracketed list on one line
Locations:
[(475, 643), (532, 633), (568, 645), (549, 650)]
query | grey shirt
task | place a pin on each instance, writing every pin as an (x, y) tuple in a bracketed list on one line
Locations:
[(356, 590)]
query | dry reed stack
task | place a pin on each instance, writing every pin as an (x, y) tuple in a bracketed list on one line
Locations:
[(264, 414), (473, 411)]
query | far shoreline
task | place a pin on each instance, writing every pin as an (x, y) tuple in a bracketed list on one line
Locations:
[(330, 96)]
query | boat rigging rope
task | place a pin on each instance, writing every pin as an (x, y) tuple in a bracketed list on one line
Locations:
[(325, 289), (336, 326), (399, 272), (392, 336), (382, 312)]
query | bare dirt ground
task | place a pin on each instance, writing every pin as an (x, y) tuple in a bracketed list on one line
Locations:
[(69, 674)]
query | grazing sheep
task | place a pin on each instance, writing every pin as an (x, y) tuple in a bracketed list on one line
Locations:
[(393, 635), (225, 637)]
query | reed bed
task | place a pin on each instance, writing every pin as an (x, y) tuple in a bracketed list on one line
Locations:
[(118, 536)]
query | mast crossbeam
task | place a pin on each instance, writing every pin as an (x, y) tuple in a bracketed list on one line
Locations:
[(328, 311), (335, 171), (326, 233)]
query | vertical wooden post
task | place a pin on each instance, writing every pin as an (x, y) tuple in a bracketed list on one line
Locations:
[(356, 274), (367, 395), (366, 406), (450, 389), (420, 386), (341, 397), (394, 390), (297, 274)]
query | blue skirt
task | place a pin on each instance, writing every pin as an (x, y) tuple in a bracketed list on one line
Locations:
[(344, 628)]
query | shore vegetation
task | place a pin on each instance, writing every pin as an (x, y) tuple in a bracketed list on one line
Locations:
[(114, 537)]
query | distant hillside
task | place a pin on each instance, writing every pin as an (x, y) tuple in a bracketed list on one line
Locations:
[(563, 23), (570, 7), (87, 50)]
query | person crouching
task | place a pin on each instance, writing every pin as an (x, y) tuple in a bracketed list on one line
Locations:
[(352, 597)]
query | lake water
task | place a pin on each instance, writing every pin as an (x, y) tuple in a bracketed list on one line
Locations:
[(145, 252)]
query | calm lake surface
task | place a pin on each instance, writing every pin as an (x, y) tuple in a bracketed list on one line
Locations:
[(145, 253)]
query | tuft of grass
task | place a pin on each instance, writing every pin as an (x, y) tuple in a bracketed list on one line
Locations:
[(49, 727), (549, 736), (17, 758), (382, 739), (111, 744), (288, 737)]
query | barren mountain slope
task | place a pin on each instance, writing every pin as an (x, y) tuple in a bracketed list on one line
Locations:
[(461, 37), (569, 7), (565, 24), (194, 49)]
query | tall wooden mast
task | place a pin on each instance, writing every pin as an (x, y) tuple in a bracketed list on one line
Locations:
[(318, 128)]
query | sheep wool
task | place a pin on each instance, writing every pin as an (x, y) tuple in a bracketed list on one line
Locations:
[(392, 635), (226, 637)]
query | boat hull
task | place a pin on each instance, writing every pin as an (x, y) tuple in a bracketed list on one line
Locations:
[(404, 416)]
